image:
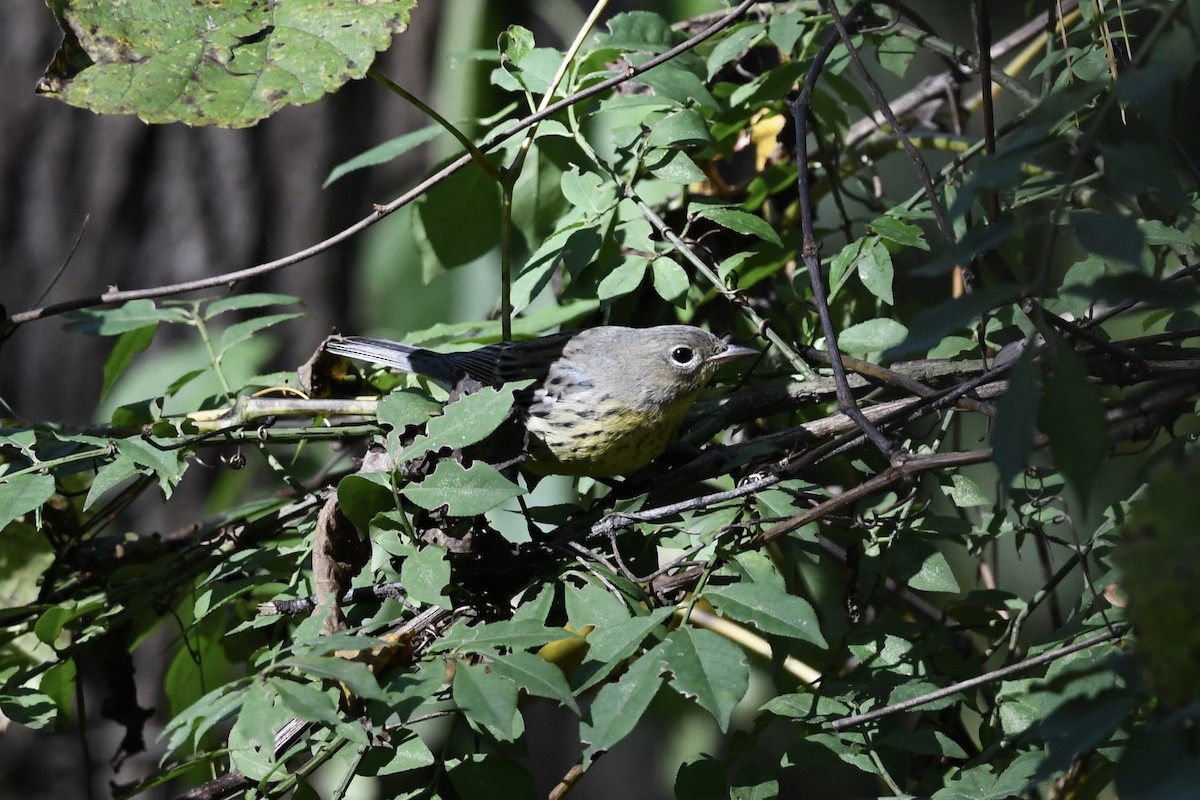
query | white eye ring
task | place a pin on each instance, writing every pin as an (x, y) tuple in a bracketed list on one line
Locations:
[(683, 355)]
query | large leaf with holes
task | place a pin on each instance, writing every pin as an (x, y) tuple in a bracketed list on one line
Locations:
[(214, 62)]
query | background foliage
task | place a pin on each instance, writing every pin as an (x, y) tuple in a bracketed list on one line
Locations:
[(790, 608)]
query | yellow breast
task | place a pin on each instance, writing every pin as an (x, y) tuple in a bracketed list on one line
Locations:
[(582, 436)]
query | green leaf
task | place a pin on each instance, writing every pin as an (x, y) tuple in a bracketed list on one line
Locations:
[(739, 222), (228, 64), (52, 621), (523, 66), (572, 246), (240, 302), (684, 127), (752, 782), (639, 30), (622, 279), (404, 408), (895, 53), (768, 609), (923, 740), (535, 607), (306, 701), (843, 264), (876, 272), (1158, 763), (486, 699), (708, 668), (363, 495), (465, 492), (1016, 419), (965, 493), (409, 754), (609, 645), (885, 652), (1108, 235), (115, 321), (458, 220), (736, 40), (1158, 232), (21, 494), (241, 331), (58, 683), (900, 231), (426, 575), (1079, 726), (674, 166), (670, 280), (675, 82), (128, 345), (466, 421), (619, 706), (871, 336), (930, 326), (383, 153), (1072, 415), (171, 390), (731, 265), (28, 707), (922, 566), (485, 776), (591, 604), (354, 675), (618, 639), (990, 781), (252, 738), (587, 191), (490, 637), (700, 777), (786, 29), (201, 716), (515, 43), (167, 464), (536, 676)]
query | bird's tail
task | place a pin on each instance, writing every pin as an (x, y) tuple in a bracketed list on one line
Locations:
[(378, 351), (396, 355)]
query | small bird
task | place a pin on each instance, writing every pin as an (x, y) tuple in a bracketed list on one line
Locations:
[(606, 401)]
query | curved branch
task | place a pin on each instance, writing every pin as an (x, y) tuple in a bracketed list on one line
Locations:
[(381, 211)]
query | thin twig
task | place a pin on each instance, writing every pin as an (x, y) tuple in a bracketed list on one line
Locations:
[(881, 103), (979, 680), (810, 250)]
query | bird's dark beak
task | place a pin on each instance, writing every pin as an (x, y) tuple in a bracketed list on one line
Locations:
[(730, 353)]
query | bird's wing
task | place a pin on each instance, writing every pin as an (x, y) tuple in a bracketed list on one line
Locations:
[(511, 361)]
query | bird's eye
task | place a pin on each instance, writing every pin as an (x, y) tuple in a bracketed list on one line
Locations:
[(683, 355)]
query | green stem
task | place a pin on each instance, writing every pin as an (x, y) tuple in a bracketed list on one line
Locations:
[(267, 435), (351, 772), (484, 163), (881, 770), (701, 582), (212, 354), (506, 309), (54, 463)]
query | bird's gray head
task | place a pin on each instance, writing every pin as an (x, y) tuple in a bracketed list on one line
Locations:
[(655, 366)]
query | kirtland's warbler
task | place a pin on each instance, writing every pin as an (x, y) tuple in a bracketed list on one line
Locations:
[(606, 401)]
